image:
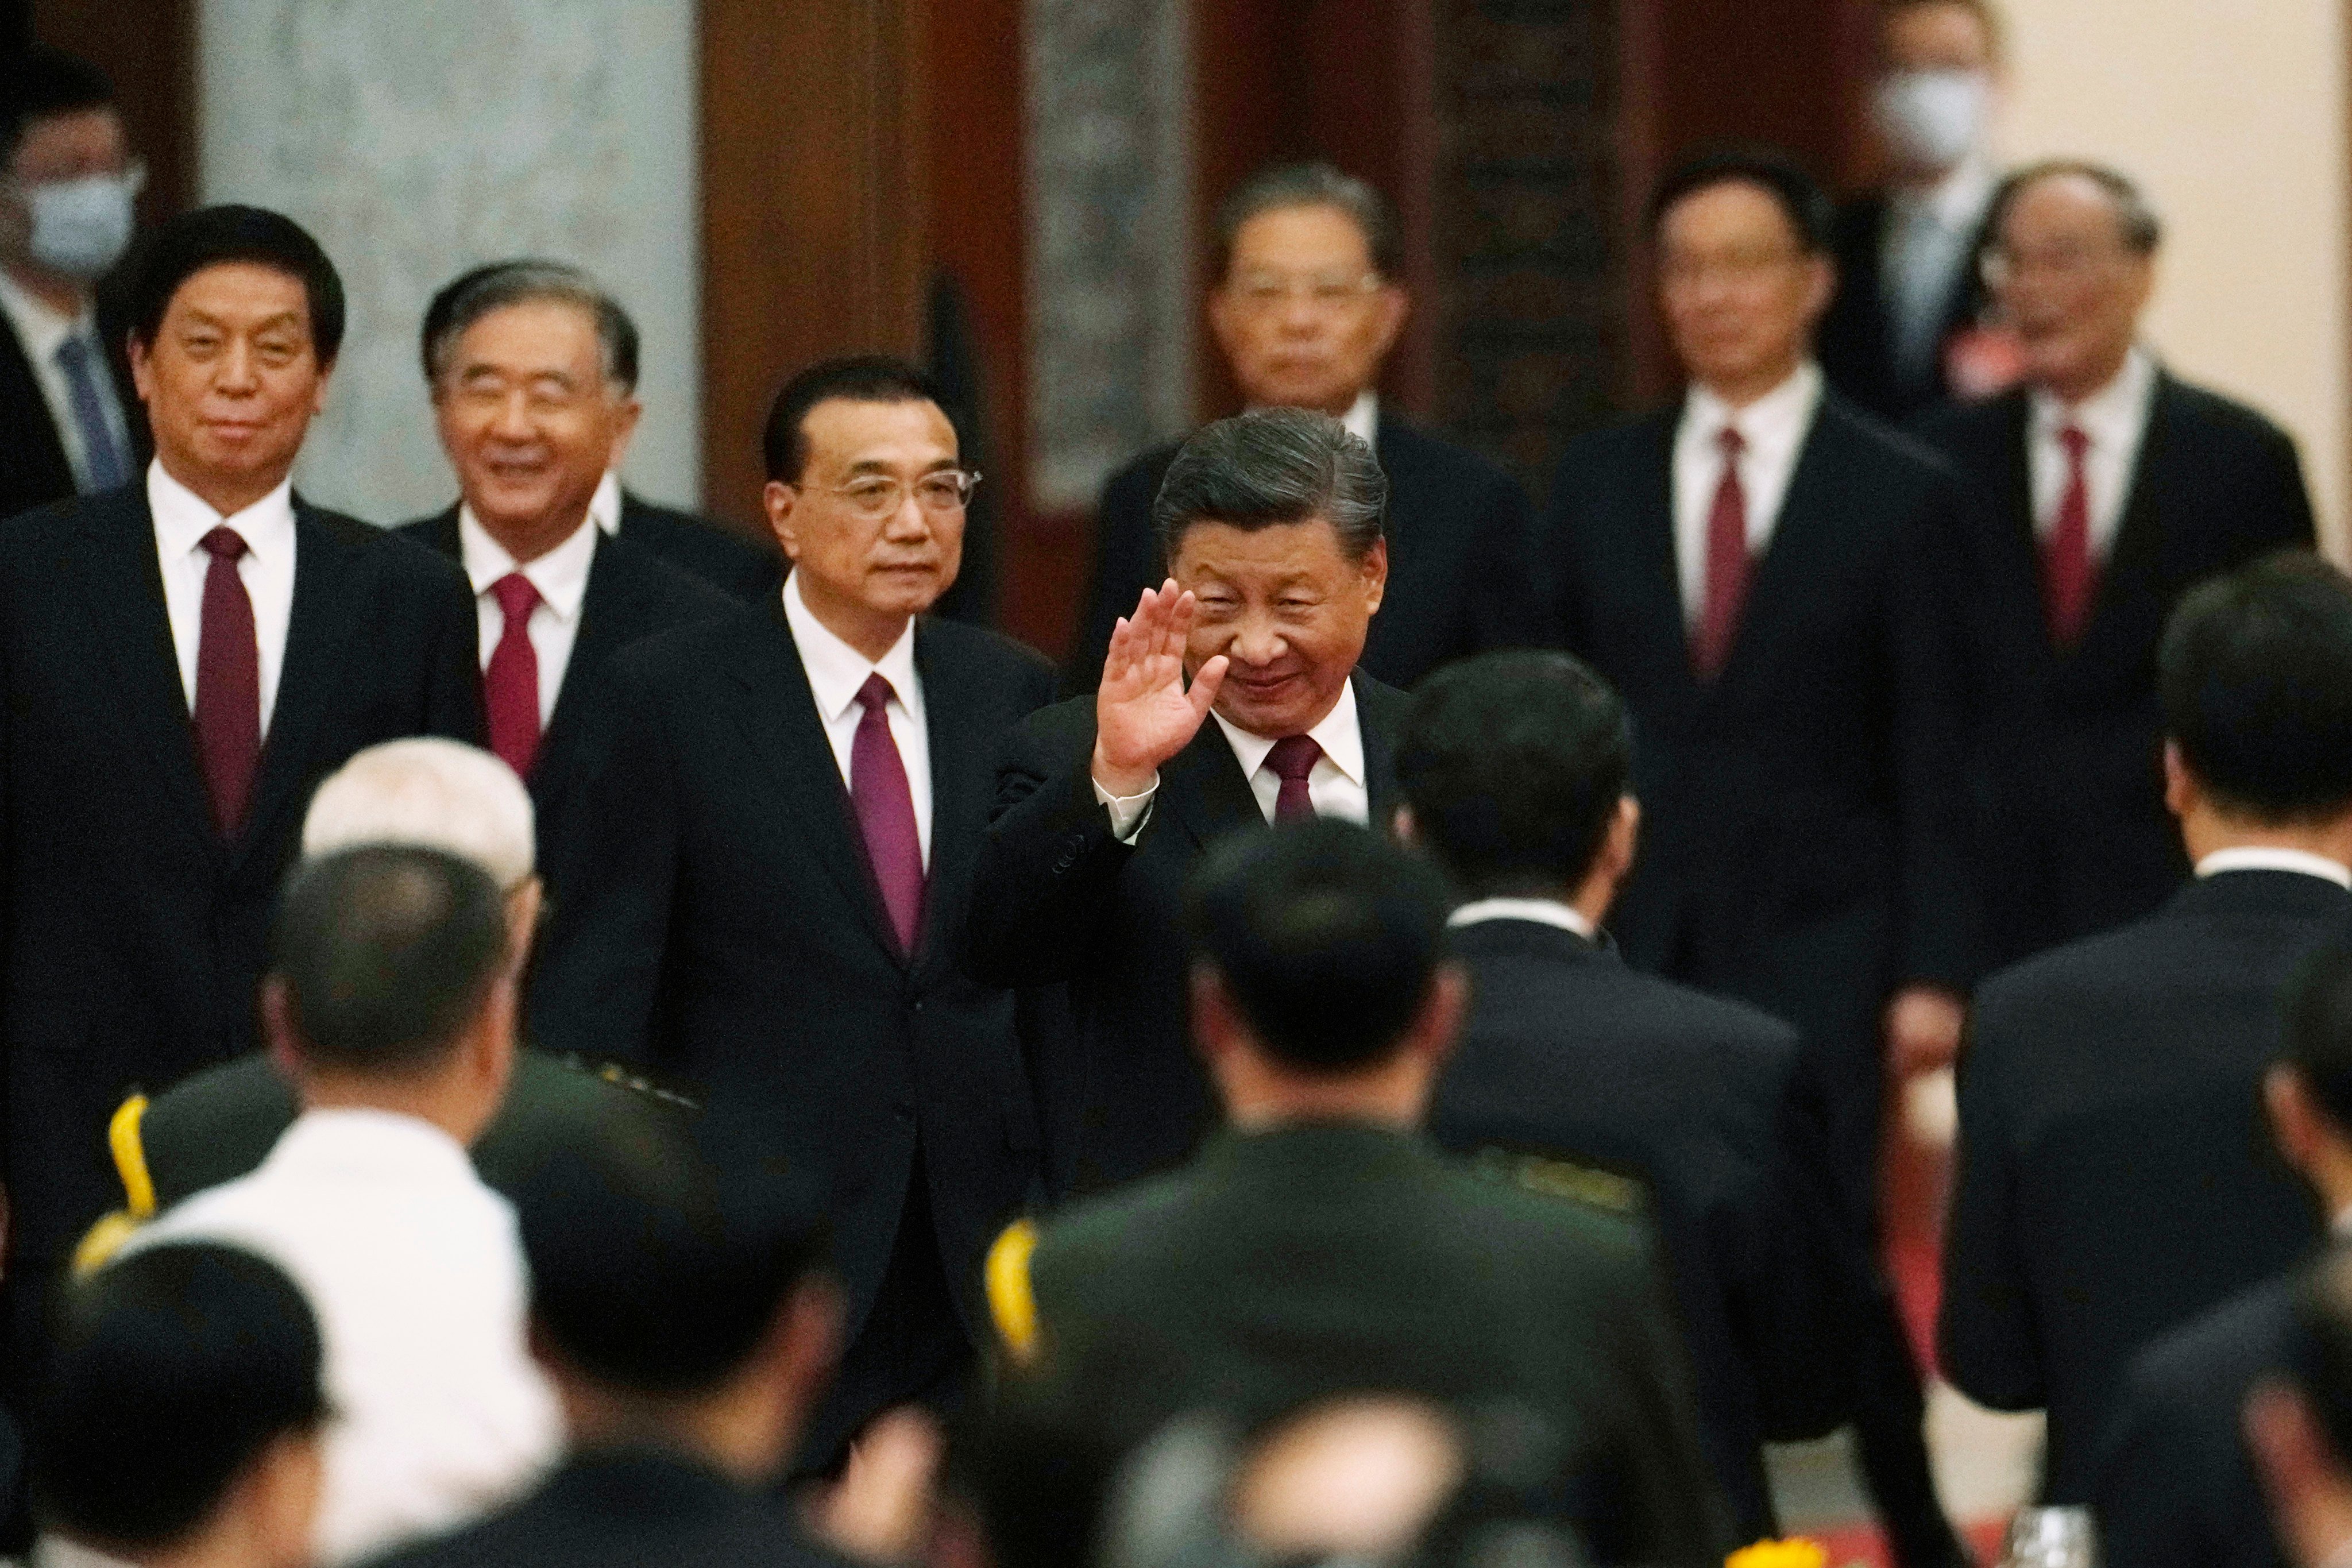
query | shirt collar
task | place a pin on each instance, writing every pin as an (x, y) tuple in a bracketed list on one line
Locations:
[(561, 575), (1543, 911), (837, 671), (604, 506), (1341, 738), (39, 328), (2110, 417), (2256, 857), (361, 1136), (1363, 417), (1773, 425), (182, 518)]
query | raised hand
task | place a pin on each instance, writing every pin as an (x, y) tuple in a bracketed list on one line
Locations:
[(1144, 714)]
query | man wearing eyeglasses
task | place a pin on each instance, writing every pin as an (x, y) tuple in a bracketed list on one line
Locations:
[(1307, 311), (65, 221), (765, 898), (2104, 489)]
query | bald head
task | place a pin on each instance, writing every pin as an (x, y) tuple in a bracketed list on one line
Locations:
[(441, 794)]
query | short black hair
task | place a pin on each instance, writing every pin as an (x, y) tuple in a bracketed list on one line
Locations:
[(1271, 467), (387, 952), (38, 83), (1315, 185), (1513, 764), (859, 378), (527, 280), (2136, 221), (186, 245), (1812, 216), (2255, 673), (1326, 935), (2318, 1017), (652, 1272), (172, 1369)]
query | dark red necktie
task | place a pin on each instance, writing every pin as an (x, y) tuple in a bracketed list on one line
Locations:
[(510, 680), (1293, 758), (885, 812), (1727, 563), (2066, 570), (228, 685)]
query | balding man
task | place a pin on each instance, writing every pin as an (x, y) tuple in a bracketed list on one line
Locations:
[(2104, 489)]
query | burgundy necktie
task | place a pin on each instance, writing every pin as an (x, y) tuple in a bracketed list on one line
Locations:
[(2066, 572), (1293, 758), (1727, 563), (885, 812), (510, 680), (228, 685)]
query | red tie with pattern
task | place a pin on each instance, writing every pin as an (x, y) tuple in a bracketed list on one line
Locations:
[(510, 680), (2066, 571), (1293, 758), (885, 812), (228, 685), (1727, 563)]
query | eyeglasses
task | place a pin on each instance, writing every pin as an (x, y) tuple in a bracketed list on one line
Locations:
[(2000, 266), (879, 496), (1325, 290)]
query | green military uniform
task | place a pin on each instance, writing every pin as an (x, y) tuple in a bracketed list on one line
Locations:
[(1283, 1266)]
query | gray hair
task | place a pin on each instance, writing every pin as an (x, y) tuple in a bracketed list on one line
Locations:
[(429, 792), (1313, 185), (1270, 467), (528, 281), (2141, 229)]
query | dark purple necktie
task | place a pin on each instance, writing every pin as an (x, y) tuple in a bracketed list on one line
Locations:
[(510, 680), (228, 685), (885, 812), (1293, 758)]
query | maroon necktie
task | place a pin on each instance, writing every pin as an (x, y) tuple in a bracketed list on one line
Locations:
[(1293, 758), (510, 680), (228, 685), (885, 812), (1727, 563), (2066, 573)]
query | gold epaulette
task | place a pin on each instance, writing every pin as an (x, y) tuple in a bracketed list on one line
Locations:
[(1012, 1299), (102, 1242), (130, 1157), (1558, 1178)]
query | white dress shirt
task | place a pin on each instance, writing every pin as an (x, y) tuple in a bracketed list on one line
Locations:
[(182, 518), (1543, 911), (1925, 246), (40, 332), (604, 506), (562, 578), (1774, 427), (2115, 419), (837, 671), (2255, 857), (415, 1272), (1335, 786), (1363, 418)]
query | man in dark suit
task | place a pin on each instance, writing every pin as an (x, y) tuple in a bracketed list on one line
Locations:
[(65, 221), (2114, 1180), (1307, 311), (1758, 571), (1272, 524), (1514, 768), (1898, 333), (183, 660), (2175, 1485), (766, 896), (2103, 490), (533, 368), (1244, 1283)]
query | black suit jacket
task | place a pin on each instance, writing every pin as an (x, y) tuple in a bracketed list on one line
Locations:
[(2068, 743), (717, 554), (1457, 534), (135, 935), (632, 593), (2116, 1175), (1568, 1051), (1855, 341), (1056, 898), (34, 468), (718, 919)]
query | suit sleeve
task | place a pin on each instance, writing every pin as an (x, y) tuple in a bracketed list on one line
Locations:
[(1804, 1283), (2286, 520), (1048, 871), (1504, 610), (2144, 1490), (595, 984), (1939, 907), (1125, 564), (453, 698), (1676, 1511), (1985, 1330)]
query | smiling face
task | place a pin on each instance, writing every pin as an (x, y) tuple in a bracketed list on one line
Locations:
[(232, 381), (1287, 609), (1304, 317), (2069, 284)]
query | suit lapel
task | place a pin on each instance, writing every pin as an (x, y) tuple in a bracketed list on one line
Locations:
[(317, 634), (1654, 576), (1206, 791), (611, 616), (955, 713), (441, 534), (1380, 712), (2128, 578)]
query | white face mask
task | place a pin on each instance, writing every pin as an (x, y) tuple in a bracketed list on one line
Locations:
[(82, 228), (1933, 119)]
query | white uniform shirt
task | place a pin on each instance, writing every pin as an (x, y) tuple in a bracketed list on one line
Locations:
[(1542, 911), (562, 578), (1774, 427), (835, 673), (2253, 857), (182, 518)]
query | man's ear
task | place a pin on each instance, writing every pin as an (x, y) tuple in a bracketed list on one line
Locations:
[(142, 367), (781, 500), (1624, 836), (1215, 1021), (2180, 791), (1375, 570), (1400, 825), (279, 1036), (1439, 1024)]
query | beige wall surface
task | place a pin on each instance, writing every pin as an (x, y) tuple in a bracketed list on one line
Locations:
[(2232, 116)]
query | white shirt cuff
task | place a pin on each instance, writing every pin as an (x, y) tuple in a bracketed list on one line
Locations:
[(1129, 813)]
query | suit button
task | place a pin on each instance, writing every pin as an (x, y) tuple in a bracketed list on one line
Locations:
[(903, 1112), (919, 1004), (1062, 866)]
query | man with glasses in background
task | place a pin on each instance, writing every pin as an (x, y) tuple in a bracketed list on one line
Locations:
[(765, 896), (65, 220), (2103, 489), (1307, 311)]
